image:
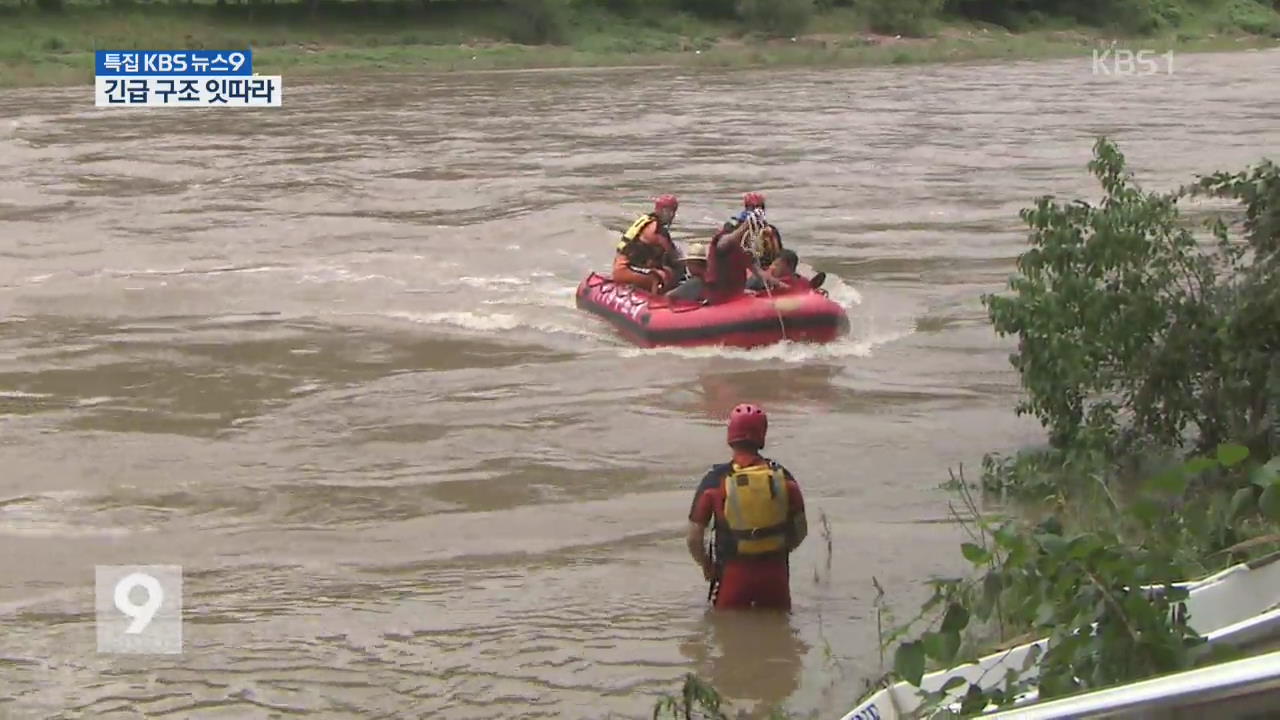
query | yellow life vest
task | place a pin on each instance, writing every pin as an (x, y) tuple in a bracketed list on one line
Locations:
[(633, 233), (756, 509)]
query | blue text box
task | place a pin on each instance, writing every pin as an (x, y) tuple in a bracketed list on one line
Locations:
[(173, 62)]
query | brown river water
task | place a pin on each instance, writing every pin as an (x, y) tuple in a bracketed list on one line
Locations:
[(325, 357)]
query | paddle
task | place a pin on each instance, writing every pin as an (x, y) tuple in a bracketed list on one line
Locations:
[(817, 281)]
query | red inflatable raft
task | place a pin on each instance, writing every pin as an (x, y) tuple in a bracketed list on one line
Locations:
[(751, 320)]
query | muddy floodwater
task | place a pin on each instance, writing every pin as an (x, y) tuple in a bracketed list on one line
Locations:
[(325, 358)]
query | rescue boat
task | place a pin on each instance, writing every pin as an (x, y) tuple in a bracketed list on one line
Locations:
[(799, 314)]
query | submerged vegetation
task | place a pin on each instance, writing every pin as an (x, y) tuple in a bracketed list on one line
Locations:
[(1149, 349), (51, 41)]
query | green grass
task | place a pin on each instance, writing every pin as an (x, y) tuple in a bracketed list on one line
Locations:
[(39, 49)]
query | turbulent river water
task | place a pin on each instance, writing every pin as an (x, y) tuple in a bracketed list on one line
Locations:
[(325, 358)]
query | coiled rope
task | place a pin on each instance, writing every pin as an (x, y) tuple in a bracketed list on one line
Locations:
[(753, 243)]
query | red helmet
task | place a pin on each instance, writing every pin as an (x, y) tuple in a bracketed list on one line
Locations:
[(748, 423), (753, 199), (666, 201)]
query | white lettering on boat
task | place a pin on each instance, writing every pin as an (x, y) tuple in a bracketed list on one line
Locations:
[(627, 304)]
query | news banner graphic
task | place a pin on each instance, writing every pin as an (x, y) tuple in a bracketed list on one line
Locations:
[(138, 609), (182, 78)]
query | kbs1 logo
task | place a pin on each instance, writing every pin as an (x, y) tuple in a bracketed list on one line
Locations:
[(1126, 63), (182, 78)]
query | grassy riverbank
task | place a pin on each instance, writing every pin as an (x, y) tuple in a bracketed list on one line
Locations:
[(54, 44)]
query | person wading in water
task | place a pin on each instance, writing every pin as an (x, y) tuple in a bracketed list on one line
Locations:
[(758, 514)]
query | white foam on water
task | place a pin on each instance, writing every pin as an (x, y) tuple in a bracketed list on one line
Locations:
[(550, 296), (238, 318), (844, 294), (337, 273), (480, 321), (67, 595), (43, 516), (245, 270), (91, 401), (65, 529), (216, 270), (318, 273), (465, 319), (55, 495), (786, 351), (492, 282), (11, 128), (133, 272)]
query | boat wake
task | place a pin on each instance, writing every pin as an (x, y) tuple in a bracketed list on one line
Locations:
[(860, 346), (864, 336), (541, 304), (482, 321)]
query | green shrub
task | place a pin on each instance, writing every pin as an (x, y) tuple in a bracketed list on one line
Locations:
[(715, 9), (1253, 17), (779, 18), (901, 17), (537, 22), (1131, 332)]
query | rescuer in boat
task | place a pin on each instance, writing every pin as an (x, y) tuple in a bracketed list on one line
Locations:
[(731, 259), (758, 514), (694, 286), (771, 240), (646, 257)]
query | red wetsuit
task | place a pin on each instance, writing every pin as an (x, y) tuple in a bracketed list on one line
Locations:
[(727, 266)]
